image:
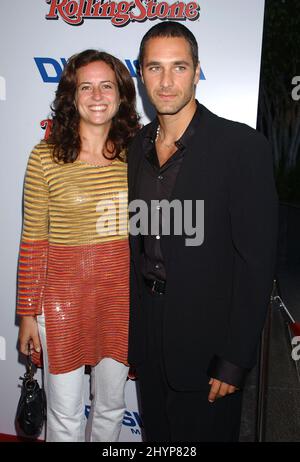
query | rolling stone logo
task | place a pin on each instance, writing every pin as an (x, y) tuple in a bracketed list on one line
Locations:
[(121, 12)]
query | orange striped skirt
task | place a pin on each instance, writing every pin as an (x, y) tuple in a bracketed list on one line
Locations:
[(86, 304)]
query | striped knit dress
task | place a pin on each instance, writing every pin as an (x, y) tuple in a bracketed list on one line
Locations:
[(74, 258)]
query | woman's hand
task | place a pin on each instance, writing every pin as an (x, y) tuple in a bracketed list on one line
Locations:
[(29, 335)]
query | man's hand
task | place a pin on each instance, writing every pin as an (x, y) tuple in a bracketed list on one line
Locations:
[(28, 334), (219, 389)]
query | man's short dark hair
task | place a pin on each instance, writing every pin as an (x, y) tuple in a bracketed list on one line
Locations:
[(170, 29)]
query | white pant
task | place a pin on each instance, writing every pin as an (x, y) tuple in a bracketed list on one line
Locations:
[(65, 400)]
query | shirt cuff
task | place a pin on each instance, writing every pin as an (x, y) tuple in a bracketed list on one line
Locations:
[(227, 372)]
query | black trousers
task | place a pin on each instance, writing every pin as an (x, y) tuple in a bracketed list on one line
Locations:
[(175, 416)]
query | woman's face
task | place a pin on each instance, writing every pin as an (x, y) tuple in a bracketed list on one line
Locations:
[(97, 96)]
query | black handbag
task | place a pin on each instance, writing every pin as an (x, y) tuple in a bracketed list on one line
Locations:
[(31, 410)]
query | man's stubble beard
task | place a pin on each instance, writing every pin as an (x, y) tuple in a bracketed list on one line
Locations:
[(171, 108)]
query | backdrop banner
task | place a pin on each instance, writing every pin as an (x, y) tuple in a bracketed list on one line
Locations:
[(37, 38)]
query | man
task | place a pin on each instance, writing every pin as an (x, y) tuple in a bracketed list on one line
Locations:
[(197, 308)]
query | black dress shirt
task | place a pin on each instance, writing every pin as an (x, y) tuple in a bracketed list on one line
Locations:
[(156, 184)]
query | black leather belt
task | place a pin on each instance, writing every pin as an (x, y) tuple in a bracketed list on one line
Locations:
[(156, 286)]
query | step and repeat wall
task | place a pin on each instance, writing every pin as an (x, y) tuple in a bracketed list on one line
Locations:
[(37, 38)]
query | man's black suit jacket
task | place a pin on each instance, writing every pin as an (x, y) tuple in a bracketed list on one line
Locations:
[(217, 293)]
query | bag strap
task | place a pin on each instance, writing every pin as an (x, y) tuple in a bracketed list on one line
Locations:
[(29, 367)]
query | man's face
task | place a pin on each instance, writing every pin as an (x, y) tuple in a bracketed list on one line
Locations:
[(169, 74)]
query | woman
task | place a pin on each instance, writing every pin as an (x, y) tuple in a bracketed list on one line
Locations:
[(73, 295)]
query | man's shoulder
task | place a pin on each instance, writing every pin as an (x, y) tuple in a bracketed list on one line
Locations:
[(231, 128), (236, 142), (137, 144), (146, 130)]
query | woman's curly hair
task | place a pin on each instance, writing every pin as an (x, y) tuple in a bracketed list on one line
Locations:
[(65, 125)]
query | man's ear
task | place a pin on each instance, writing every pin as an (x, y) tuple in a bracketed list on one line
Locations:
[(141, 75), (197, 73)]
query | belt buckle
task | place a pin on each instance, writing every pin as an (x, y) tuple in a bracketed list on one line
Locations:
[(154, 289)]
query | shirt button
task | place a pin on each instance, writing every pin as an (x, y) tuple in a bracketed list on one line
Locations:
[(160, 177), (157, 237)]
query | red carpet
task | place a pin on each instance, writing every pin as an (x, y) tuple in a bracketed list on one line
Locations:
[(17, 439)]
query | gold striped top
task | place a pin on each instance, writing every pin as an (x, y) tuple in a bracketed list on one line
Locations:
[(86, 203)]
